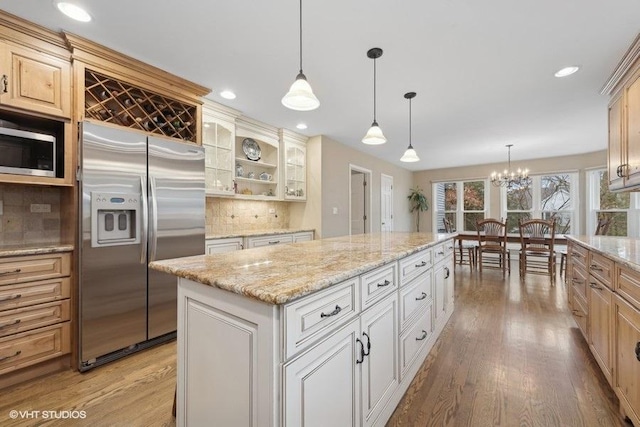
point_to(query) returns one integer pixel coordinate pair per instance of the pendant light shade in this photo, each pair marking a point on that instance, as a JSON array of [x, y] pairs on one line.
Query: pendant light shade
[[374, 135], [300, 96], [410, 155]]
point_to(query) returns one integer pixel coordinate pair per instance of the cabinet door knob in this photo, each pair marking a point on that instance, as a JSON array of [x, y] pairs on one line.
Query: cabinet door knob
[[337, 310], [638, 351]]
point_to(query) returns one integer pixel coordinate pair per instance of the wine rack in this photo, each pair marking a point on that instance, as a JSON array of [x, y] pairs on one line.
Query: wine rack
[[113, 101]]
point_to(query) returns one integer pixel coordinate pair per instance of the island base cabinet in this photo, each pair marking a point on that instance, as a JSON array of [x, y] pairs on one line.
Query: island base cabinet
[[229, 339], [320, 387], [627, 372]]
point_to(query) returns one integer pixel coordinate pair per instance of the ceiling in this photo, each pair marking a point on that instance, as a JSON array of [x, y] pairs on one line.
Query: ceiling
[[482, 70]]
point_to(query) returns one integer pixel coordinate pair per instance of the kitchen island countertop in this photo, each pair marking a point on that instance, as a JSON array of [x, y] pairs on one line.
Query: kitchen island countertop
[[624, 250], [282, 273]]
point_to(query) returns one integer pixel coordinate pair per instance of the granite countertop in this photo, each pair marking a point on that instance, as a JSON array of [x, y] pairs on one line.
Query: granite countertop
[[282, 273], [254, 233], [33, 249], [625, 250]]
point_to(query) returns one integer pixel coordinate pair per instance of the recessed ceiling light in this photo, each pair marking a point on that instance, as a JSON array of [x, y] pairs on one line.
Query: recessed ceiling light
[[74, 12], [227, 94], [566, 71], [301, 126]]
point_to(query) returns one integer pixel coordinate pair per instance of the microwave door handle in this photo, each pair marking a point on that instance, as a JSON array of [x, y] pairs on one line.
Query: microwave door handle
[[154, 218], [145, 221]]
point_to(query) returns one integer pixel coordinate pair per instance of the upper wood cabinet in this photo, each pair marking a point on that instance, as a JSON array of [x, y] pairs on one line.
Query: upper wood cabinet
[[35, 81], [624, 121]]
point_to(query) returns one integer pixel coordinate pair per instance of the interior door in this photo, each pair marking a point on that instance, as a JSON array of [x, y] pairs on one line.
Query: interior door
[[176, 222], [358, 203], [386, 203]]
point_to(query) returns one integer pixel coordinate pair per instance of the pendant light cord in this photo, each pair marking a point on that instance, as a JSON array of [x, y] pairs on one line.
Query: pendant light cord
[[374, 90], [300, 36], [410, 146]]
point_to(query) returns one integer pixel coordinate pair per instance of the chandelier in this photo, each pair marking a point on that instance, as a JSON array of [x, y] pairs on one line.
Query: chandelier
[[509, 178]]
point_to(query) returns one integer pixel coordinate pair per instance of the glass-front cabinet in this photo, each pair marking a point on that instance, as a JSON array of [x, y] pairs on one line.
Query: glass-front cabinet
[[294, 163], [257, 151], [218, 140]]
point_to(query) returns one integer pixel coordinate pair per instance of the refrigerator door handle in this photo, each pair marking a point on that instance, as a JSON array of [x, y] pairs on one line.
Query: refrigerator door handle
[[154, 219], [145, 221]]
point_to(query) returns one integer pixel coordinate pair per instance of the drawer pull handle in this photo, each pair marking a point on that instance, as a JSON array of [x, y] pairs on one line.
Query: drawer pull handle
[[446, 269], [423, 336], [422, 264], [576, 254], [577, 281], [17, 270], [441, 253], [576, 313], [595, 286], [11, 297], [5, 83], [638, 351], [385, 283], [368, 344], [596, 268], [6, 325], [361, 351], [337, 310], [421, 297], [275, 242], [17, 353]]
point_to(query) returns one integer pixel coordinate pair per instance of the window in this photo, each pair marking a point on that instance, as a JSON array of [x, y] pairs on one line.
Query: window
[[461, 202], [545, 196], [620, 208]]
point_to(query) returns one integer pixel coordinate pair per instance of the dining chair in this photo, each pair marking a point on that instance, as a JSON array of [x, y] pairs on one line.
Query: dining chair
[[463, 247], [602, 227], [492, 239], [537, 238]]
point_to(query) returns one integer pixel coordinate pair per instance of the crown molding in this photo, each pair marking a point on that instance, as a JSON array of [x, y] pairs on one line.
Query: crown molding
[[626, 63]]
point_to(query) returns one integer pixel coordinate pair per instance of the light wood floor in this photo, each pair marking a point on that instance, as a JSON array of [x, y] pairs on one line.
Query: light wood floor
[[511, 355]]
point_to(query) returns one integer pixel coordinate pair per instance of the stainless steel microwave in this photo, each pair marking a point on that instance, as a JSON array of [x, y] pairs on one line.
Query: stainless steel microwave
[[27, 153]]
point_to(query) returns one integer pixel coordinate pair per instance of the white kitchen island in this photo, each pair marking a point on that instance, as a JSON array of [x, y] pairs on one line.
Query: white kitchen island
[[323, 333]]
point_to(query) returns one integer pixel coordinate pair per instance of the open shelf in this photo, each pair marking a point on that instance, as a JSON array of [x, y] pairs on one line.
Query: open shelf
[[254, 163], [255, 181]]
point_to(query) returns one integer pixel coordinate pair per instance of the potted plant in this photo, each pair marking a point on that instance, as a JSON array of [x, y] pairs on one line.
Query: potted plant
[[418, 202]]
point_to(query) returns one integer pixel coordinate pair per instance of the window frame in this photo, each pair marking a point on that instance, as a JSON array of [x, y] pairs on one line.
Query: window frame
[[593, 205], [460, 211]]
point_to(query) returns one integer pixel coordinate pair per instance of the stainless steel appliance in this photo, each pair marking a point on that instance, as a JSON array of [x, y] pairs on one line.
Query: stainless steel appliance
[[142, 199], [27, 153]]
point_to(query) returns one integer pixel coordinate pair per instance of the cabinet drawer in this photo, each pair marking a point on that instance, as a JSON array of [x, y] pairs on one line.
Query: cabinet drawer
[[415, 264], [414, 339], [24, 294], [32, 317], [303, 236], [601, 268], [579, 312], [28, 348], [579, 281], [378, 283], [442, 251], [312, 317], [578, 255], [628, 285], [37, 267], [256, 242], [414, 298], [215, 246]]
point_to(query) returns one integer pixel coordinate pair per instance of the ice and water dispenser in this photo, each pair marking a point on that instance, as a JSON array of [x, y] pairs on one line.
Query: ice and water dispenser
[[115, 219]]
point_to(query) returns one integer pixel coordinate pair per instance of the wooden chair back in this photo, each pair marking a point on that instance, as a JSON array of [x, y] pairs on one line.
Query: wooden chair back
[[448, 228], [537, 236], [492, 232]]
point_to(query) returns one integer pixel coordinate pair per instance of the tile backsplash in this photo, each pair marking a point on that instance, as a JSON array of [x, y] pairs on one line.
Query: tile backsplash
[[20, 226], [231, 216]]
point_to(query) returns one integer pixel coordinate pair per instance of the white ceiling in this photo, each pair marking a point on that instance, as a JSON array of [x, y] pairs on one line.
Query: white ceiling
[[483, 70]]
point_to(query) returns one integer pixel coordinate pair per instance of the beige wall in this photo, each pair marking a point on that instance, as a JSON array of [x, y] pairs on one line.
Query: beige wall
[[578, 163], [336, 159], [20, 226]]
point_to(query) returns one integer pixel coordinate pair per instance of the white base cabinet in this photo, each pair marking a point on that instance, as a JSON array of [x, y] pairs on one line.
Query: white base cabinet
[[339, 357]]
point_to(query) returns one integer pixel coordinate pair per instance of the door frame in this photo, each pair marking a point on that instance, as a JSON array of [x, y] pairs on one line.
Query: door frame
[[383, 176], [367, 202]]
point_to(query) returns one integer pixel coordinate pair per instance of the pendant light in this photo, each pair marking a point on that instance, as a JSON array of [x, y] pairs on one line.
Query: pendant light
[[374, 135], [410, 155], [300, 96]]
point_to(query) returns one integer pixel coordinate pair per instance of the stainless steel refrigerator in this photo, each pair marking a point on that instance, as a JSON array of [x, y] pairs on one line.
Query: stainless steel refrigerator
[[141, 199]]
